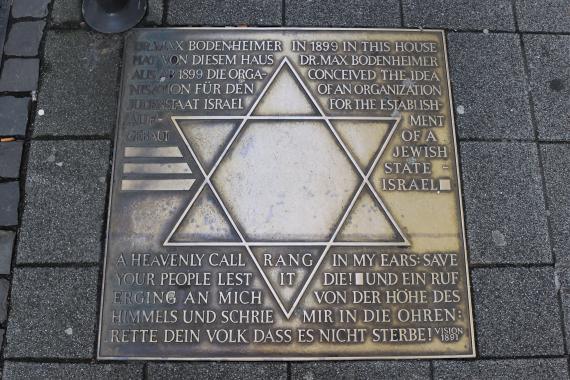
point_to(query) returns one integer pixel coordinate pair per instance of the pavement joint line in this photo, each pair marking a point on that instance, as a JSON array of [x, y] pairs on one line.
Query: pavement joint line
[[66, 28], [548, 223], [165, 7], [475, 139], [402, 22], [145, 371], [55, 265], [544, 187], [27, 19], [529, 141], [8, 56], [515, 16], [57, 360], [283, 13], [16, 94], [521, 357], [562, 320], [17, 137], [536, 138], [553, 142], [510, 265], [71, 138], [550, 241]]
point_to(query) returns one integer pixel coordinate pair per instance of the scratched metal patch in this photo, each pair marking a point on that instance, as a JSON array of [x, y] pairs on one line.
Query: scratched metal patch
[[285, 194]]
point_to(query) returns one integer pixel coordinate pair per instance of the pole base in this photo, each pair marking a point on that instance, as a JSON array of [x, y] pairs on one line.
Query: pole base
[[113, 22]]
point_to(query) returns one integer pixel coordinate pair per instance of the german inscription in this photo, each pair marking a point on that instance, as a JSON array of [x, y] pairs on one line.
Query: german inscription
[[285, 194]]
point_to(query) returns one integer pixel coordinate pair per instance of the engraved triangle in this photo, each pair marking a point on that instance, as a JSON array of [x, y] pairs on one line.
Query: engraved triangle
[[286, 270], [364, 138], [285, 96], [207, 138], [368, 222], [204, 221]]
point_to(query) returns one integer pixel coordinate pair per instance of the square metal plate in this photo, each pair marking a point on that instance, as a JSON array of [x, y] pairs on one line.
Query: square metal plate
[[285, 194]]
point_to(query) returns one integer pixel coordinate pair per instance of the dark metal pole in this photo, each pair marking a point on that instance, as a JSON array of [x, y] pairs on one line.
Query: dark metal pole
[[113, 16]]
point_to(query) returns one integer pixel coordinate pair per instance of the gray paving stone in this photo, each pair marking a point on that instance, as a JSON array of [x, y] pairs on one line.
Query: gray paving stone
[[65, 185], [504, 203], [10, 157], [4, 290], [543, 15], [221, 371], [489, 82], [361, 370], [66, 12], [229, 12], [24, 38], [459, 14], [516, 312], [20, 75], [154, 12], [555, 160], [30, 8], [9, 200], [521, 369], [13, 115], [53, 313], [549, 65], [6, 250], [42, 371], [88, 64], [343, 13]]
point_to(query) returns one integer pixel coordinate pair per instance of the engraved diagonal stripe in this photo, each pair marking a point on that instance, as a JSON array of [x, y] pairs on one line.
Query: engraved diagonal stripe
[[162, 151], [166, 168], [156, 185]]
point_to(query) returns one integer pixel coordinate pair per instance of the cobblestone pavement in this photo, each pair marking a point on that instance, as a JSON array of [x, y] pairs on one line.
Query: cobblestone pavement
[[510, 71]]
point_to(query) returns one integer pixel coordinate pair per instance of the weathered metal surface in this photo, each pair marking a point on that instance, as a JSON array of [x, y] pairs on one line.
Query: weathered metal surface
[[285, 194]]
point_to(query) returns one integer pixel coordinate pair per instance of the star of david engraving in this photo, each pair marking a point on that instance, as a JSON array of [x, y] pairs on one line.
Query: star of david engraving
[[286, 180]]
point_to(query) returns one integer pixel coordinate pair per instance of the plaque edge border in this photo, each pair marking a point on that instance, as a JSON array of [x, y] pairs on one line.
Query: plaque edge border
[[473, 349]]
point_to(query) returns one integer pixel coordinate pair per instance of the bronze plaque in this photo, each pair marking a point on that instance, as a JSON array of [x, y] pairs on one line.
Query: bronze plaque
[[285, 194]]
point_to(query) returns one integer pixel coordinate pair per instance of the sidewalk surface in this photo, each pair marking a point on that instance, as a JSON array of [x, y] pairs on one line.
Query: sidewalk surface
[[510, 72]]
